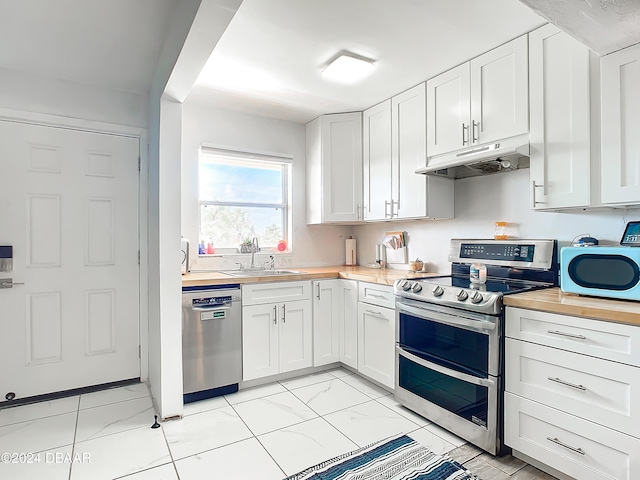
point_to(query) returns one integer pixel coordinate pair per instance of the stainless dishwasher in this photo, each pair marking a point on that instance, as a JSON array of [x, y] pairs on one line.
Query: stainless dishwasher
[[211, 341]]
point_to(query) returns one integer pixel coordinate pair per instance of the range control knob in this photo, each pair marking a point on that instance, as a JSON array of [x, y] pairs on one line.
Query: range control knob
[[400, 283], [476, 297], [462, 295], [438, 291], [416, 287], [406, 286]]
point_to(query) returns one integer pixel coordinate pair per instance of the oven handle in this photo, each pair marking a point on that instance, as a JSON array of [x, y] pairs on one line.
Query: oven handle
[[483, 382], [447, 319]]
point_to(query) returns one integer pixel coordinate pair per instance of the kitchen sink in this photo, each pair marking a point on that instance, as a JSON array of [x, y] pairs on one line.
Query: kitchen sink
[[259, 273]]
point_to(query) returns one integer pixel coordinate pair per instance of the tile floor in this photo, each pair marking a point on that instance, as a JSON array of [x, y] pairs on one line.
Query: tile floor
[[264, 433]]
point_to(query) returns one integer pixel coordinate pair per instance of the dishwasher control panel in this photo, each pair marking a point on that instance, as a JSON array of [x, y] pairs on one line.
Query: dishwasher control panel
[[211, 301]]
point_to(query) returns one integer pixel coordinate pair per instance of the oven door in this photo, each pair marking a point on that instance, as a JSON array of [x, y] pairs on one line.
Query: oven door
[[463, 341]]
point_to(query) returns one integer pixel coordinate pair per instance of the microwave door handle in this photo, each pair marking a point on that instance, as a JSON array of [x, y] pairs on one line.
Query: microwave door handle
[[483, 382], [447, 319]]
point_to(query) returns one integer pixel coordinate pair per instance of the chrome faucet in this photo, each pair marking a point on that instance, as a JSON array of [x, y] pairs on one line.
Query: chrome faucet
[[254, 248]]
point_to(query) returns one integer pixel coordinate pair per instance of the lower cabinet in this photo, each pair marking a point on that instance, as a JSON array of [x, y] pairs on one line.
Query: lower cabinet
[[572, 399], [376, 343], [277, 337], [335, 326]]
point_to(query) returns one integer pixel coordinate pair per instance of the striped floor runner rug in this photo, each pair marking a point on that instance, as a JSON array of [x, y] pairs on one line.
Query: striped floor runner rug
[[400, 458]]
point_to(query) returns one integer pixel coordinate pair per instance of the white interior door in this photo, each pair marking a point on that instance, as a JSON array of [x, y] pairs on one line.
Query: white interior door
[[69, 208]]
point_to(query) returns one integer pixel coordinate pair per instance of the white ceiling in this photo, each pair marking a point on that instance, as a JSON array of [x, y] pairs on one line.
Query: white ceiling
[[107, 43], [268, 61]]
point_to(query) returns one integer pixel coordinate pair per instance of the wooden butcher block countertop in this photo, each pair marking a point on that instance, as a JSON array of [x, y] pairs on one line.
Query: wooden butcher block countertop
[[553, 300], [373, 275]]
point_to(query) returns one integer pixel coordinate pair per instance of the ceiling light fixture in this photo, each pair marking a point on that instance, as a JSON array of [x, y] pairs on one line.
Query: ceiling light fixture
[[348, 69]]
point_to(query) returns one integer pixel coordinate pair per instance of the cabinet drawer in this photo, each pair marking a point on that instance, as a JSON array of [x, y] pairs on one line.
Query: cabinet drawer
[[598, 338], [375, 294], [569, 444], [269, 292], [598, 390]]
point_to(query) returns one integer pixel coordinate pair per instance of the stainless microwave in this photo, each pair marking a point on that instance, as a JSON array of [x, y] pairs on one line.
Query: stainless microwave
[[603, 271]]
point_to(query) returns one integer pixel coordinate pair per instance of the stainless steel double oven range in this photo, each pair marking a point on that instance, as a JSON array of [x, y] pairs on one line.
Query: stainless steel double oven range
[[449, 335]]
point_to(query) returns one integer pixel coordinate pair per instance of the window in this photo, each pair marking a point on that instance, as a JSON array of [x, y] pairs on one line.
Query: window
[[242, 196]]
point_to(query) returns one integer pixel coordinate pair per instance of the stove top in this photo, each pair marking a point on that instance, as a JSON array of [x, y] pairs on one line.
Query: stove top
[[513, 267]]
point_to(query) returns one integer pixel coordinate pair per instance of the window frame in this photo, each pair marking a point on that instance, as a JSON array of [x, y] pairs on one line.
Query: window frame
[[285, 162]]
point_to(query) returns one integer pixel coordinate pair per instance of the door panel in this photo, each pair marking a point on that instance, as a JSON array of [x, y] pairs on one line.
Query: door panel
[[70, 210], [296, 336], [259, 341], [377, 161]]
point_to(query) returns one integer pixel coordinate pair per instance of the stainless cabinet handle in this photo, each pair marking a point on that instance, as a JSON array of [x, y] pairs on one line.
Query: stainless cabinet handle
[[275, 314], [284, 313], [564, 334], [464, 129], [9, 283], [534, 202], [473, 131], [562, 444], [318, 285], [397, 204], [386, 213], [379, 314], [573, 385], [374, 295], [358, 212]]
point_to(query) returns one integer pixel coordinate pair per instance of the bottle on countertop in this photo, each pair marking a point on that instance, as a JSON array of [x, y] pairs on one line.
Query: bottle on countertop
[[478, 272], [201, 248]]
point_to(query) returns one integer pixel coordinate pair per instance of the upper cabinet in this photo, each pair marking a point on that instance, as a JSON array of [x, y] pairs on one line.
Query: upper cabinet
[[621, 127], [478, 102], [394, 135], [561, 121], [334, 169]]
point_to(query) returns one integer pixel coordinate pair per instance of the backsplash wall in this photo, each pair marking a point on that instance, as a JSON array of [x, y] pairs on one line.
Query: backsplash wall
[[479, 203]]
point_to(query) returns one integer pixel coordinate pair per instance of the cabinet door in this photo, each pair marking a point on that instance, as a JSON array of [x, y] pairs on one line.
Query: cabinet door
[[448, 111], [326, 321], [341, 167], [259, 341], [377, 161], [296, 335], [376, 343], [499, 93], [409, 152], [620, 127], [560, 127], [348, 327]]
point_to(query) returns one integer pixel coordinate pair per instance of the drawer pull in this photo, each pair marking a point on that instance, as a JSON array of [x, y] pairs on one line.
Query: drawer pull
[[371, 312], [564, 334], [562, 444], [573, 385], [374, 295]]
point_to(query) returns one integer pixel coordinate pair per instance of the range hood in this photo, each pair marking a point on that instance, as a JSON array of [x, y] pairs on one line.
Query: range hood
[[504, 156]]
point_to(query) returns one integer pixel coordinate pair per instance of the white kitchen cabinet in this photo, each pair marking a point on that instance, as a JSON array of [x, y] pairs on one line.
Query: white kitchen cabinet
[[349, 323], [561, 122], [377, 161], [620, 126], [334, 169], [335, 316], [478, 102], [394, 136], [571, 394], [376, 335], [277, 336]]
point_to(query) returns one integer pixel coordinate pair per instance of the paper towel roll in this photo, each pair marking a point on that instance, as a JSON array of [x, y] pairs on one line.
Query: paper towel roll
[[350, 251]]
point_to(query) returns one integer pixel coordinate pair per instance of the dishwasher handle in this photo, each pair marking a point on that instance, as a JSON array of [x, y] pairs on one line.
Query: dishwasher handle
[[210, 308]]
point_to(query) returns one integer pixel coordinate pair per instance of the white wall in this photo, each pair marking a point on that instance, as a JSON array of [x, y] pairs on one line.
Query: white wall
[[479, 202], [32, 93], [312, 245]]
